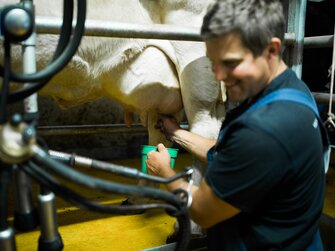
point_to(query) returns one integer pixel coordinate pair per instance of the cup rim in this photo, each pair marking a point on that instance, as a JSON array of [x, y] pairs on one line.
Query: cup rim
[[148, 148]]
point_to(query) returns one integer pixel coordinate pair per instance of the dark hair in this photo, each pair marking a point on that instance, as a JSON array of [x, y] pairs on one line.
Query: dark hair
[[256, 21]]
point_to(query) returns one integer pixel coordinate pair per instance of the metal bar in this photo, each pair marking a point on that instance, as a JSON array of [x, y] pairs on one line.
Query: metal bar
[[47, 25], [296, 25], [90, 129], [319, 42], [136, 129], [25, 217], [323, 98]]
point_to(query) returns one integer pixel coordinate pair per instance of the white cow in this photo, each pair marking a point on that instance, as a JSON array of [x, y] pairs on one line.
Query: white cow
[[146, 76]]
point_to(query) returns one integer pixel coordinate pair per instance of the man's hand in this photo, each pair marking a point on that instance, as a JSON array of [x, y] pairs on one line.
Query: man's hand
[[168, 125], [158, 162]]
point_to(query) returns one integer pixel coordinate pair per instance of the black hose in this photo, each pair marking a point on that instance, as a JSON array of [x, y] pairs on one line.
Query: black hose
[[4, 183], [59, 63], [43, 177], [66, 29], [41, 157], [76, 160], [63, 40], [183, 236], [5, 83]]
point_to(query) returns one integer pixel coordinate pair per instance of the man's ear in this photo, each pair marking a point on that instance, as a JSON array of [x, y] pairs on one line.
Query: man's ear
[[274, 47]]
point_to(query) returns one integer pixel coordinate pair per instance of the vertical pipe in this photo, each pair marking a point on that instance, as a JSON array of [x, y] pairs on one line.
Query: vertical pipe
[[7, 239], [46, 203], [296, 25], [25, 214], [29, 66], [50, 239]]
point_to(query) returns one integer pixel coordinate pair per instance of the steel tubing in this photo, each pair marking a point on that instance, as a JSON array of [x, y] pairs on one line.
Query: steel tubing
[[90, 129], [319, 41], [323, 98], [136, 129], [47, 25]]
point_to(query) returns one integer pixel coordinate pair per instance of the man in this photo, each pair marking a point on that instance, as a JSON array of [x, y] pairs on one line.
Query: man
[[264, 186]]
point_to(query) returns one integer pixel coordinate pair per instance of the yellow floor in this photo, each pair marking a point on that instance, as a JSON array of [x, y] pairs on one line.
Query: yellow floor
[[87, 230], [329, 204]]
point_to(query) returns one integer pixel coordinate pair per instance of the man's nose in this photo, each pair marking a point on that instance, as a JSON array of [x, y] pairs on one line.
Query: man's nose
[[220, 74]]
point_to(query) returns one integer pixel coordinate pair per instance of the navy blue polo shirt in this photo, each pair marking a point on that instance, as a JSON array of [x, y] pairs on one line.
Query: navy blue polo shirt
[[269, 165]]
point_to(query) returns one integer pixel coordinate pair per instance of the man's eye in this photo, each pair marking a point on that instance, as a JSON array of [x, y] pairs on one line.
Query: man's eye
[[231, 64]]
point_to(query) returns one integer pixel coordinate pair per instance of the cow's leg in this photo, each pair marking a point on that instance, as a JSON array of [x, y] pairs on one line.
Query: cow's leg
[[203, 101], [154, 137]]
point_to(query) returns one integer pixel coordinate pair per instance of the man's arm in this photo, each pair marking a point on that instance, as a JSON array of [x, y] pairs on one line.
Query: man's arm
[[193, 143], [207, 209]]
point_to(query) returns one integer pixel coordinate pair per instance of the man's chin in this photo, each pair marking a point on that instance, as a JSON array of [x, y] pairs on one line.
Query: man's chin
[[234, 97]]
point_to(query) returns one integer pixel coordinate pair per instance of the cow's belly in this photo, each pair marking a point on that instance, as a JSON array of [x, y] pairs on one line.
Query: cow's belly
[[149, 83]]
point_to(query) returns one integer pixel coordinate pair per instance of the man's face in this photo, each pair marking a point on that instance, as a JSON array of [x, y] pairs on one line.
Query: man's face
[[243, 74]]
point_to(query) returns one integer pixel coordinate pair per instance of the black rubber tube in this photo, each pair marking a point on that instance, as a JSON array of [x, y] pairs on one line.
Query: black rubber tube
[[54, 185], [41, 157], [4, 183], [183, 238], [64, 39], [47, 180], [70, 160], [5, 83], [63, 58]]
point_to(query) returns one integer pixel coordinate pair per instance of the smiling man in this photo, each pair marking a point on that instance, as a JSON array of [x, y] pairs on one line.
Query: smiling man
[[264, 186]]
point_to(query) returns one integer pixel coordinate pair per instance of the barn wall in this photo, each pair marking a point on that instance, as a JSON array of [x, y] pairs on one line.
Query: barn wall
[[103, 146]]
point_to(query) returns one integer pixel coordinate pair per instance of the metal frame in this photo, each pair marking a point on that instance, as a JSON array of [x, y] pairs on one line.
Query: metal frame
[[294, 40]]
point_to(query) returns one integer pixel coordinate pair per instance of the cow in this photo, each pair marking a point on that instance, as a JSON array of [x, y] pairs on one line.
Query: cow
[[147, 76]]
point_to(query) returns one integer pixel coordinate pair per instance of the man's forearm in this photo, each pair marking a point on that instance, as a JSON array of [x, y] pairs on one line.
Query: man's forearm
[[193, 143]]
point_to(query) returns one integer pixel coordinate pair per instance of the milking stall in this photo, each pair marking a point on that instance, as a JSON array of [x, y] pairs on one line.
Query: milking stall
[[82, 85]]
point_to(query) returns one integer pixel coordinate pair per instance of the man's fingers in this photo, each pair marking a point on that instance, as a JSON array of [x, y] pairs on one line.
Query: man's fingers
[[161, 147], [158, 124]]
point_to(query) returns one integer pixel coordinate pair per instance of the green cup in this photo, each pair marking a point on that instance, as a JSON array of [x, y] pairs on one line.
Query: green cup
[[145, 149]]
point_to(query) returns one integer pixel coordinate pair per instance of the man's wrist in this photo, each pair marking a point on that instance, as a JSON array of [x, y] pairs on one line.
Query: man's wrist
[[168, 172]]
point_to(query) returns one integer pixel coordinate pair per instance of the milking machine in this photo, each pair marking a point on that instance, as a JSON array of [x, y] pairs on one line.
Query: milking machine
[[23, 156]]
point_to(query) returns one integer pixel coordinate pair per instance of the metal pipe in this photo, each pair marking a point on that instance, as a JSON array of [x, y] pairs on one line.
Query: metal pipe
[[25, 217], [90, 129], [136, 129], [47, 25], [48, 216], [319, 42], [7, 240], [29, 66], [50, 239], [156, 31], [130, 172], [296, 25], [323, 98]]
